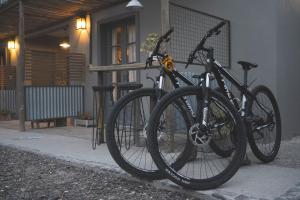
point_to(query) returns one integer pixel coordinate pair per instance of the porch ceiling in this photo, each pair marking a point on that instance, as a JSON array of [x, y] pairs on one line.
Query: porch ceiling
[[41, 14]]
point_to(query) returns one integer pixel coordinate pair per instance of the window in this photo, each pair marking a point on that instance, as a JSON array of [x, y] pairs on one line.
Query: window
[[131, 44], [118, 46]]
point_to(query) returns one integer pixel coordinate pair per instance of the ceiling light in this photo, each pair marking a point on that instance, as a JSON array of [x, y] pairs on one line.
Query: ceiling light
[[134, 5], [65, 45]]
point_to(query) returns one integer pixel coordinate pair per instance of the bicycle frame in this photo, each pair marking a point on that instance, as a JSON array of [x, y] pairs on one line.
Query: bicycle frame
[[174, 75], [219, 72]]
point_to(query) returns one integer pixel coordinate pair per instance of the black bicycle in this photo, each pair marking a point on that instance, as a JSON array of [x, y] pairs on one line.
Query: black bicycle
[[220, 122], [128, 120]]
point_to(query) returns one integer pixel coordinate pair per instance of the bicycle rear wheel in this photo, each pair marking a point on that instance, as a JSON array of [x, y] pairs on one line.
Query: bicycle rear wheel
[[219, 143], [264, 127], [203, 169]]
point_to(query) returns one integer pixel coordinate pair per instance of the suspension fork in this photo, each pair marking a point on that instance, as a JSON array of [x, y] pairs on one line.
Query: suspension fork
[[205, 92], [159, 84], [204, 108]]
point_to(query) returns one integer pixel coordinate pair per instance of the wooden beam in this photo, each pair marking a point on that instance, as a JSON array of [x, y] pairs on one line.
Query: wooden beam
[[9, 5], [49, 28], [125, 67], [20, 70]]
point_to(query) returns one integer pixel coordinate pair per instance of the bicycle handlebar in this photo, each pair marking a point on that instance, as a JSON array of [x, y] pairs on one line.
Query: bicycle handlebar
[[217, 27], [161, 39], [200, 46]]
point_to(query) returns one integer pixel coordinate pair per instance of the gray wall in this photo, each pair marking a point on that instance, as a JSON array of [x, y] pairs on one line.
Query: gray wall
[[80, 43], [149, 21], [267, 33], [253, 24], [262, 31], [288, 65]]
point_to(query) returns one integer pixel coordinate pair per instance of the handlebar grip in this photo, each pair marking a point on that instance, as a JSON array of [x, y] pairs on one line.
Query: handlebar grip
[[162, 38], [217, 27]]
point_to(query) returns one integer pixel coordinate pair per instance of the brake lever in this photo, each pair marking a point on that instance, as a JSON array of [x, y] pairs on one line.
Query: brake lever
[[149, 62]]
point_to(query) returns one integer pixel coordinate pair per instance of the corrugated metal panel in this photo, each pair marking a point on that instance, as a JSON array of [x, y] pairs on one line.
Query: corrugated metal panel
[[49, 102], [8, 101]]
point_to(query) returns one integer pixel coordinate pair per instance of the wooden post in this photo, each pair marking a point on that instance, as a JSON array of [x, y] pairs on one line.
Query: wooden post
[[165, 26], [101, 109], [165, 21], [20, 69]]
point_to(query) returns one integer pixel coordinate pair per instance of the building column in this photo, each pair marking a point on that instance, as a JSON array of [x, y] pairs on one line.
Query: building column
[[20, 70], [165, 21]]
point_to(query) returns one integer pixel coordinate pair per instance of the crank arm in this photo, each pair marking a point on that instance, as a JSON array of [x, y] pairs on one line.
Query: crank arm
[[263, 126]]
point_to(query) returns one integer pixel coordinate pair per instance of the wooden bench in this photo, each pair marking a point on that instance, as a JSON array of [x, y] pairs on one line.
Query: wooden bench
[[38, 122]]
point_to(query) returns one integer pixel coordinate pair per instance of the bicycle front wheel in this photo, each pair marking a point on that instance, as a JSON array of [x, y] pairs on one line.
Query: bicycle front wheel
[[264, 127], [168, 136], [126, 133]]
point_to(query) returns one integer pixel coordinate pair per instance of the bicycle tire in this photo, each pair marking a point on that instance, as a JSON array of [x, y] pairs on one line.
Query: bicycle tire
[[220, 147], [126, 163], [256, 147], [175, 175]]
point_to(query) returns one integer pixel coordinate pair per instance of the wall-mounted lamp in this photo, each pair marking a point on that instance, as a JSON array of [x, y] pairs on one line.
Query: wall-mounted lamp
[[80, 23], [11, 44], [134, 5], [65, 45]]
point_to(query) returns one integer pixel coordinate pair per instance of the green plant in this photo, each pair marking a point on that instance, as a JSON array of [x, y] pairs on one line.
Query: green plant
[[149, 44]]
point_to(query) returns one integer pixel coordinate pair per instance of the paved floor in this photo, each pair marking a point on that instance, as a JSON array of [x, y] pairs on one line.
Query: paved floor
[[280, 179]]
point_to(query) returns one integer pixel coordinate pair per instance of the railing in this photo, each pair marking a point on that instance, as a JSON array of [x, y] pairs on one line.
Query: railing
[[51, 102], [8, 100]]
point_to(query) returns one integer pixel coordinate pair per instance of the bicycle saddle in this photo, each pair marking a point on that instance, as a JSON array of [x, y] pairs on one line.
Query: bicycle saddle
[[247, 65]]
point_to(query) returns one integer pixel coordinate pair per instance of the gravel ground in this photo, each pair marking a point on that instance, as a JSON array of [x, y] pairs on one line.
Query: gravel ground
[[25, 175]]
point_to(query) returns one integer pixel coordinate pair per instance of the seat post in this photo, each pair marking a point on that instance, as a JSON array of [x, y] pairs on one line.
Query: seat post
[[245, 77]]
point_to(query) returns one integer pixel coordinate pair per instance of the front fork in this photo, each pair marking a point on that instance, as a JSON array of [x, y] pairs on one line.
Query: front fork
[[205, 105]]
